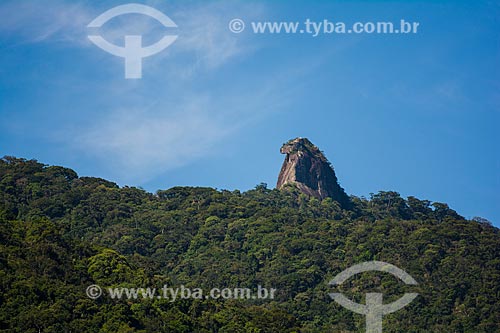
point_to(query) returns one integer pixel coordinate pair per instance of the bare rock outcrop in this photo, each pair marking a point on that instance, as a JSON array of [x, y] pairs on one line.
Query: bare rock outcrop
[[307, 168]]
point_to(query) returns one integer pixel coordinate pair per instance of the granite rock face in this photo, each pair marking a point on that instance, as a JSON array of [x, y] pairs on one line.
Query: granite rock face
[[307, 168]]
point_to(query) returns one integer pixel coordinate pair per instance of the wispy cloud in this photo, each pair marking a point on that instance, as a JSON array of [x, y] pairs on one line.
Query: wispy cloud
[[168, 119], [139, 144], [202, 26], [204, 44], [38, 21], [205, 32]]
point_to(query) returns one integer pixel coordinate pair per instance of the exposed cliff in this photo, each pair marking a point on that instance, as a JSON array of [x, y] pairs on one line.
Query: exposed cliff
[[306, 167]]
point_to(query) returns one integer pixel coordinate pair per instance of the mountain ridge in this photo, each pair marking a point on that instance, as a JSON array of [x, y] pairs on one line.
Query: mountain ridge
[[60, 233]]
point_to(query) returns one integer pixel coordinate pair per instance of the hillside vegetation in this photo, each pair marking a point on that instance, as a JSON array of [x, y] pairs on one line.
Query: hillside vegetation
[[60, 233]]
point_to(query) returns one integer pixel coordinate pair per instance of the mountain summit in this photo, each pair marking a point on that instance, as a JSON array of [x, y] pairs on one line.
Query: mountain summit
[[306, 167]]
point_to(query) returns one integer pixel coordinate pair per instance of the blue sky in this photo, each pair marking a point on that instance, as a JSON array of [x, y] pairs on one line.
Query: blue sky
[[418, 114]]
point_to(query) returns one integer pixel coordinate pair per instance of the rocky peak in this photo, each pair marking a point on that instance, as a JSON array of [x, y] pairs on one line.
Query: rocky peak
[[306, 167]]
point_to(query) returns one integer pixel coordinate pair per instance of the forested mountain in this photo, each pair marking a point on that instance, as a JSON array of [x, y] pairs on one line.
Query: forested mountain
[[60, 233]]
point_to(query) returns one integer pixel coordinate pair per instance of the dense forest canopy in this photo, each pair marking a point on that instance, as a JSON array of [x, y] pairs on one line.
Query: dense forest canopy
[[60, 233]]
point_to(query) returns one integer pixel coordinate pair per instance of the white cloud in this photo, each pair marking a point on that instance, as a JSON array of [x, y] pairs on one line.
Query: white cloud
[[202, 27], [205, 42], [181, 124], [139, 144], [205, 32], [162, 122]]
